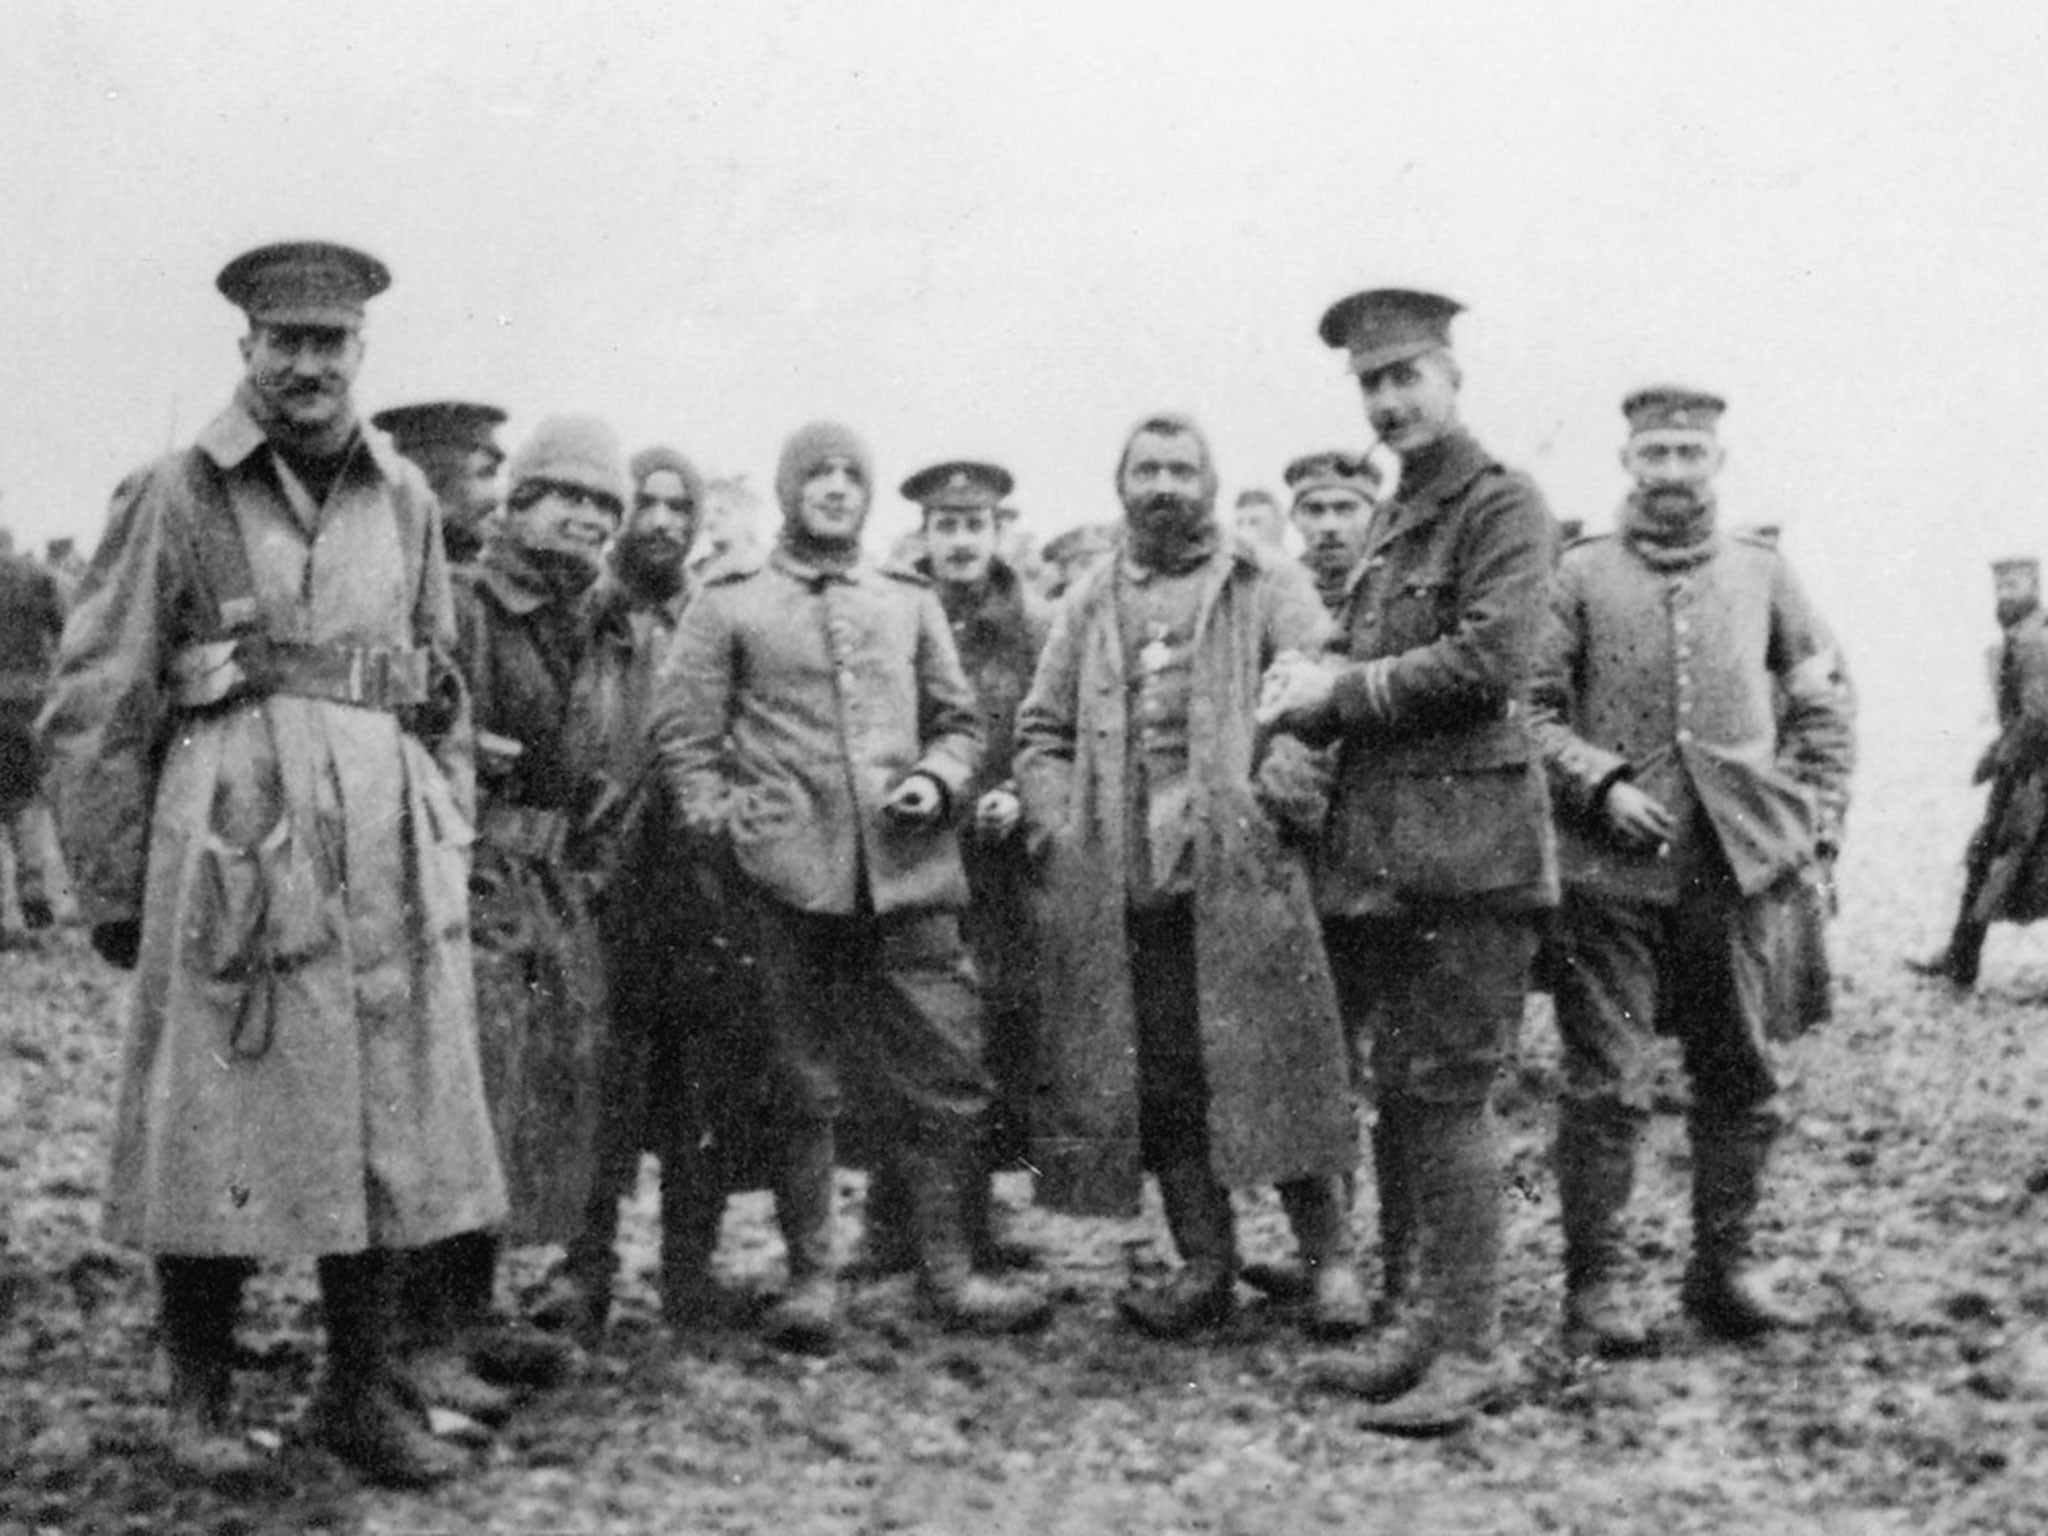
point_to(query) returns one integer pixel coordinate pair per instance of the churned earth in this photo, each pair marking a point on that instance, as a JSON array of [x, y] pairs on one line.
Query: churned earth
[[1907, 1212]]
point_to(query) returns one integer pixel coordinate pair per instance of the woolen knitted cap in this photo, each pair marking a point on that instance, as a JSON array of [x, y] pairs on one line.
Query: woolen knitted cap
[[649, 461], [810, 446], [575, 450]]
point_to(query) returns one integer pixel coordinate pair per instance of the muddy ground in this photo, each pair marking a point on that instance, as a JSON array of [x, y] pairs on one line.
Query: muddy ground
[[1907, 1210]]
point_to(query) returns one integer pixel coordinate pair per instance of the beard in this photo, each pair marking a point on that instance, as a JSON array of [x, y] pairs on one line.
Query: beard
[[651, 564], [1168, 517]]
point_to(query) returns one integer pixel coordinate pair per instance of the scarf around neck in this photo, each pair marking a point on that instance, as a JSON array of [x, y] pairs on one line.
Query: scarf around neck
[[828, 557], [1669, 543]]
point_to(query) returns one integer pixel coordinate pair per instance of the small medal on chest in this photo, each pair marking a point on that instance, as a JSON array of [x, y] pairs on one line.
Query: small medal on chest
[[1156, 653]]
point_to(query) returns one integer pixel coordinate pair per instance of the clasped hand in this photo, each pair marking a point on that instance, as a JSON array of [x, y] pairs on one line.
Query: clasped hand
[[1296, 689]]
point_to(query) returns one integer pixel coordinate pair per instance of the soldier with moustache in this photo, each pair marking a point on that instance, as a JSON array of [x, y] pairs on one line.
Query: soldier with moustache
[[261, 767], [455, 444], [1698, 738], [1438, 857], [1334, 496], [1189, 1028], [999, 627]]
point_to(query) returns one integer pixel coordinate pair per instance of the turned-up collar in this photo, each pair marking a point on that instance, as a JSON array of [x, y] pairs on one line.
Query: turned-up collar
[[233, 435]]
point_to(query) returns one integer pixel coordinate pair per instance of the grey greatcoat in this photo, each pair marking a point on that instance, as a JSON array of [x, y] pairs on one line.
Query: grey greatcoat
[[299, 1074], [1273, 1051]]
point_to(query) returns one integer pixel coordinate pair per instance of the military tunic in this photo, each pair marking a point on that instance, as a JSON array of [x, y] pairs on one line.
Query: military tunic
[[1715, 689]]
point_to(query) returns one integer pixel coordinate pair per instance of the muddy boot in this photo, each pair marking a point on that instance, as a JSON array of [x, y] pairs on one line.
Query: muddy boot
[[578, 1300], [198, 1301], [361, 1412], [432, 1311], [1392, 1133], [1720, 1294], [1458, 1200], [806, 1320], [947, 1284], [888, 1242], [1201, 1293], [1596, 1159]]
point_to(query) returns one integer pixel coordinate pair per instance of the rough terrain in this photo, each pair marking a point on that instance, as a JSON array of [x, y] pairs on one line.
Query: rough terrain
[[1908, 1210]]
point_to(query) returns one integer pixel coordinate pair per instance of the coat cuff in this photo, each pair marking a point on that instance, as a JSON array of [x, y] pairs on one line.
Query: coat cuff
[[1364, 693]]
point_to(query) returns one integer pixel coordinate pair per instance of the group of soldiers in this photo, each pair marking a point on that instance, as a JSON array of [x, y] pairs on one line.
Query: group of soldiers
[[464, 853]]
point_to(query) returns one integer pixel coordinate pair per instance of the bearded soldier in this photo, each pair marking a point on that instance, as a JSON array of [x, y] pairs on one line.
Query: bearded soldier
[[262, 776], [1189, 1028]]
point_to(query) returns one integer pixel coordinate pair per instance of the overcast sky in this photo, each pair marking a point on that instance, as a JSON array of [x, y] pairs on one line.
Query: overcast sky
[[1009, 230]]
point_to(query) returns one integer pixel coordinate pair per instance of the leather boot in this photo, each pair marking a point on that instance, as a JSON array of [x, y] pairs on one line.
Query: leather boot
[[806, 1319], [1201, 1293], [433, 1310], [1720, 1294], [1596, 1153], [888, 1243], [361, 1412], [198, 1299], [1392, 1133], [950, 1289], [503, 1351], [1456, 1188]]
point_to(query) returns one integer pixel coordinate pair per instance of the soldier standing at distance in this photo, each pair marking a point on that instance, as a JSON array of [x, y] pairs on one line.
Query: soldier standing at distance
[[31, 620], [1334, 496], [2006, 867], [455, 444], [1439, 854], [1189, 1028], [262, 778], [1699, 743], [814, 721]]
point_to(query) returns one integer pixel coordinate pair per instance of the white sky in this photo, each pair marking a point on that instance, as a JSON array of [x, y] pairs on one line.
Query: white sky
[[1008, 230]]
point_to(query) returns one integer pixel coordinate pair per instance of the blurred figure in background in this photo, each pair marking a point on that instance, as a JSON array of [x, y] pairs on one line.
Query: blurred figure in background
[[2006, 865], [729, 529], [455, 444], [31, 622], [1065, 556], [1257, 518]]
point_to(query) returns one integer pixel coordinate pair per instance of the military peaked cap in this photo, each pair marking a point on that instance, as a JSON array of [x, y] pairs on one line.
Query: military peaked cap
[[960, 485], [1674, 407], [303, 282], [1382, 326], [1333, 469], [442, 423]]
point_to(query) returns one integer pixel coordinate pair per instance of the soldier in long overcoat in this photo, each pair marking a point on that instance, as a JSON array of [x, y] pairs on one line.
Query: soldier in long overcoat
[[263, 785], [1188, 1028], [2006, 865]]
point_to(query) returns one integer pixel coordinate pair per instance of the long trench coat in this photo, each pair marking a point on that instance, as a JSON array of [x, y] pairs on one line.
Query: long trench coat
[[299, 1073], [1272, 1046]]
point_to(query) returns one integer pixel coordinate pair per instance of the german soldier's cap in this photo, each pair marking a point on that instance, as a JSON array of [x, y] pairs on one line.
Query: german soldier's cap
[[442, 424], [1335, 469], [303, 282], [1672, 407], [1383, 326], [960, 485]]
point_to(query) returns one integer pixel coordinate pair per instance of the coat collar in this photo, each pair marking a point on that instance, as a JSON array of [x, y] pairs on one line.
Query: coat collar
[[1458, 461], [505, 578], [814, 575], [1234, 557], [232, 436]]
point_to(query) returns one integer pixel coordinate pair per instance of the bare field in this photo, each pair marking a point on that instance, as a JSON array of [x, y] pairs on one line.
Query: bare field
[[1907, 1206]]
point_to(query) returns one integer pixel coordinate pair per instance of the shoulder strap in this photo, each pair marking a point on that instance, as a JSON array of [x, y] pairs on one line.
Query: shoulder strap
[[216, 539]]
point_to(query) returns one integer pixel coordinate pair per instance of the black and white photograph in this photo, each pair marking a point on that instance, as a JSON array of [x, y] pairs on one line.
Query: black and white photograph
[[861, 766]]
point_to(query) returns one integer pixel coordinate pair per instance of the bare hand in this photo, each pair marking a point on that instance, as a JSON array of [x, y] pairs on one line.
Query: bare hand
[[996, 815], [1295, 688], [916, 799], [1638, 818]]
